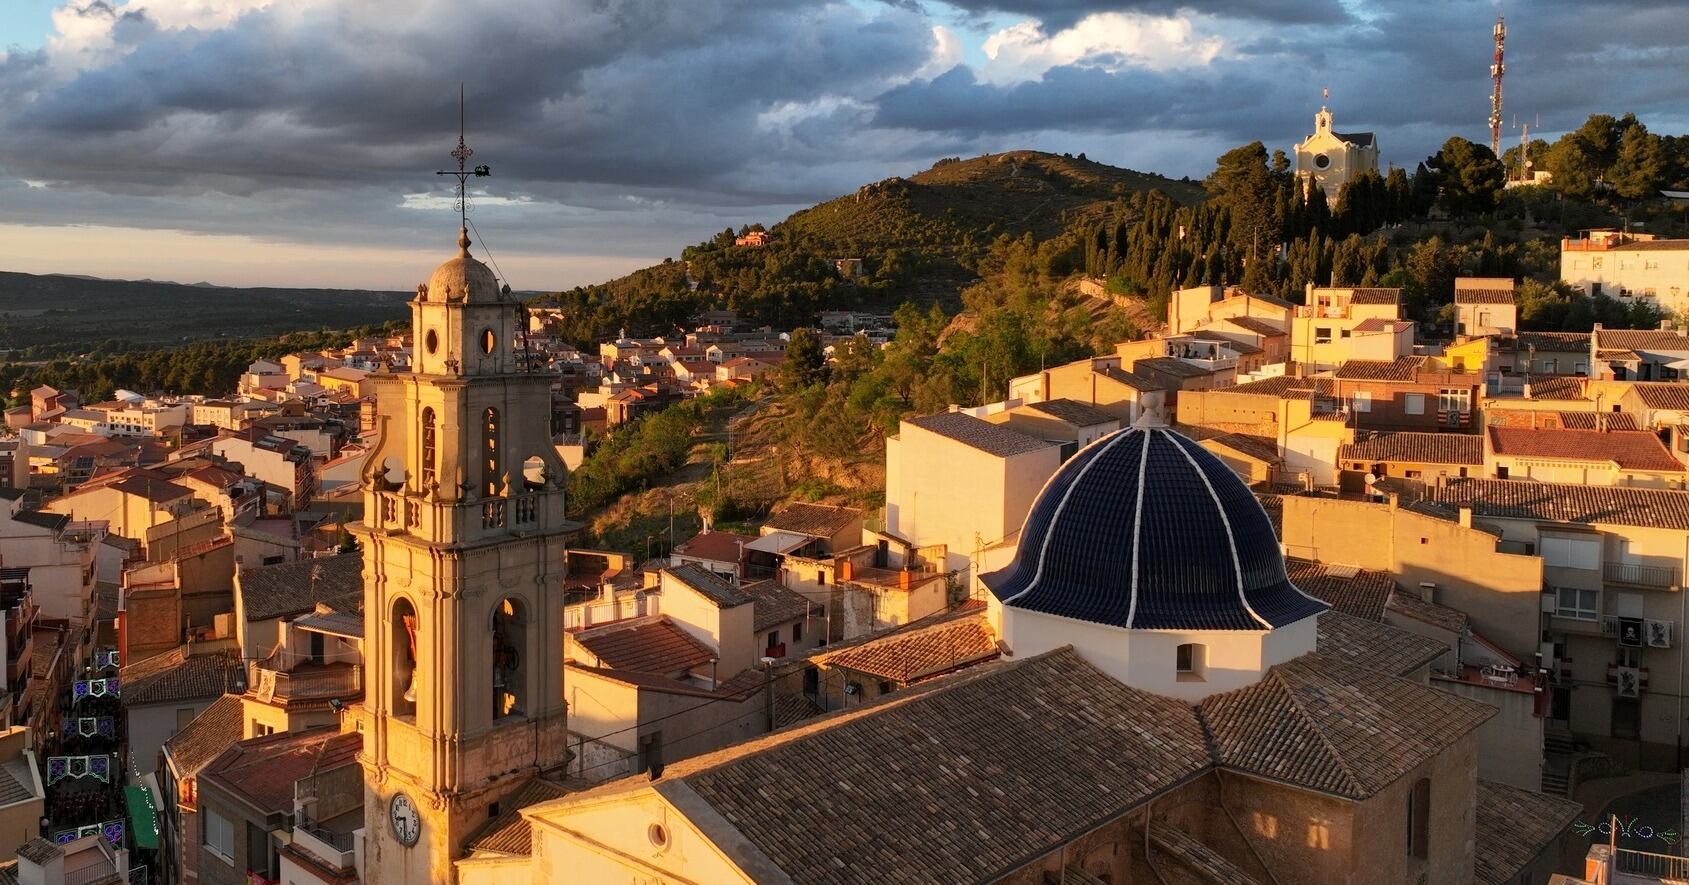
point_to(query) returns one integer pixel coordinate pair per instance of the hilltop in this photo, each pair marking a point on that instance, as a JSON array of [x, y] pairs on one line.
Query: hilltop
[[921, 239], [961, 205], [53, 315]]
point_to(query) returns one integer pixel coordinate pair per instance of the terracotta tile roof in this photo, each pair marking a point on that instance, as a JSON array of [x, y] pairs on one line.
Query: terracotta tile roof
[[1512, 827], [1440, 616], [1618, 355], [814, 520], [509, 832], [1629, 449], [290, 589], [738, 688], [1558, 387], [1373, 325], [647, 645], [152, 490], [1554, 342], [1186, 850], [177, 676], [1424, 448], [214, 730], [794, 708], [262, 771], [1320, 723], [775, 604], [1170, 366], [1375, 296], [1640, 339], [1140, 383], [1375, 646], [714, 546], [1483, 296], [992, 439], [1608, 420], [1017, 756], [1282, 387], [1663, 395], [1361, 593], [1399, 369], [1073, 412], [1258, 447], [715, 590], [1256, 325], [908, 656]]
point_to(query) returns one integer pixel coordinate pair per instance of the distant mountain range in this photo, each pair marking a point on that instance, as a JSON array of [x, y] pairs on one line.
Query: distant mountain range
[[68, 314]]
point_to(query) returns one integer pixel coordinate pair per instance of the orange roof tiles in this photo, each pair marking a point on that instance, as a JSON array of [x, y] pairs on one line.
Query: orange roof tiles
[[1629, 449]]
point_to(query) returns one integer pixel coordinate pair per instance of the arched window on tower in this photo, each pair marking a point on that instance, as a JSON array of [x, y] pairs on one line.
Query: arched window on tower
[[402, 633], [490, 453], [510, 658], [430, 448]]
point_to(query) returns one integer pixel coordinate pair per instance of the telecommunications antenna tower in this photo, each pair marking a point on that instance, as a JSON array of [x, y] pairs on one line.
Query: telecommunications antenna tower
[[1497, 69]]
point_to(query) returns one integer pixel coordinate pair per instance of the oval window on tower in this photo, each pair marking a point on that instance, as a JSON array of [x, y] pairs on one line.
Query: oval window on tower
[[488, 341], [432, 341]]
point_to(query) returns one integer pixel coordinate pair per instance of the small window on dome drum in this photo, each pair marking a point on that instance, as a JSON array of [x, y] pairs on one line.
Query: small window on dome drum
[[1191, 662], [488, 341]]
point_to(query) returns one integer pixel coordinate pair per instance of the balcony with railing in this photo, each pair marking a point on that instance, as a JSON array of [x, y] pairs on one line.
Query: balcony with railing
[[328, 847], [305, 681], [1635, 575], [1648, 866]]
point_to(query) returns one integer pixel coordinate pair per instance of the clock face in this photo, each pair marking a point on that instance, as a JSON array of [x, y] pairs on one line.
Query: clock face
[[401, 813]]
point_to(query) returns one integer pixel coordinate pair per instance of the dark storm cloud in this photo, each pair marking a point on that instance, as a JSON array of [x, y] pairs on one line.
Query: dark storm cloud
[[646, 94], [1057, 14], [635, 126]]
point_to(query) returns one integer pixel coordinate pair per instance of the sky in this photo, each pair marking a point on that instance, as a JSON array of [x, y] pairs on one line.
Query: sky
[[294, 142]]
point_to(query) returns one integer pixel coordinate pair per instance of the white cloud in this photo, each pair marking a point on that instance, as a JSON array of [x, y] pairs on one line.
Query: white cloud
[[1107, 40], [946, 53]]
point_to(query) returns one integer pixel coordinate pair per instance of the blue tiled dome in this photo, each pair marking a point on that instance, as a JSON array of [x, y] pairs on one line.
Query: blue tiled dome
[[1146, 529]]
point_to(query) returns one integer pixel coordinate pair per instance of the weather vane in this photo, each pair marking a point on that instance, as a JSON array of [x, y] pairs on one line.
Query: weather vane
[[463, 173]]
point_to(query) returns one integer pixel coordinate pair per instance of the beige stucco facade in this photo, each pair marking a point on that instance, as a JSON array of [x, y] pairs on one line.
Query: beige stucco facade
[[941, 491], [1464, 566]]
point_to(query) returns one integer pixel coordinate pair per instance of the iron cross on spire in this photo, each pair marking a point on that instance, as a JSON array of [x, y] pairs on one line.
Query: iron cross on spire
[[463, 172]]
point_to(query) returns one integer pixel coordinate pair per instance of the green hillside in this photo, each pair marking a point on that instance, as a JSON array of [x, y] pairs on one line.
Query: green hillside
[[44, 316], [961, 205], [921, 239]]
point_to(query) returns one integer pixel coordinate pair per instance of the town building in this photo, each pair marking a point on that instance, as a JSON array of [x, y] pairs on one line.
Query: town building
[[1613, 559], [1337, 325], [1484, 306], [962, 483], [1638, 354], [1096, 381], [285, 798], [1581, 456], [1329, 159], [1628, 266]]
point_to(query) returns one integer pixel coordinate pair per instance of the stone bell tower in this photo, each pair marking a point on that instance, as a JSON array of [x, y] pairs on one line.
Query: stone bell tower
[[463, 539]]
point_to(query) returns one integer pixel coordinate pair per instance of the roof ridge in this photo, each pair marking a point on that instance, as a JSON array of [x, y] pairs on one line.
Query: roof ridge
[[1353, 778]]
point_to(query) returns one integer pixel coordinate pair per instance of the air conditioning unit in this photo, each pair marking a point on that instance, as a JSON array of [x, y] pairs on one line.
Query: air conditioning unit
[[1658, 634]]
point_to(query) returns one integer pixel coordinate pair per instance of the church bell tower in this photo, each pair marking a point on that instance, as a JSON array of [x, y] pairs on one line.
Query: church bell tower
[[463, 539]]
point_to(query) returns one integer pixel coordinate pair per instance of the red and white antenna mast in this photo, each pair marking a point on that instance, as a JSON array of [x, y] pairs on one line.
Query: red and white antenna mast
[[1496, 71]]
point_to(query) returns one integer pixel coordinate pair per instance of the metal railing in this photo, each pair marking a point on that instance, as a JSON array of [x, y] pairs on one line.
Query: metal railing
[[1647, 863], [1639, 575], [341, 842]]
